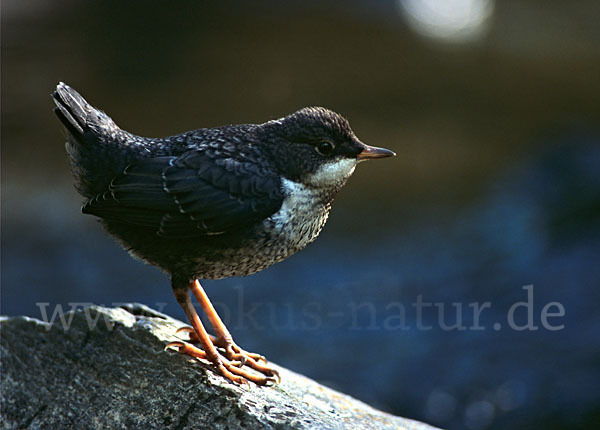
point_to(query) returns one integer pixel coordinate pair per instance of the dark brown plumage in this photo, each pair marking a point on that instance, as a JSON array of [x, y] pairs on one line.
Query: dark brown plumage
[[212, 203]]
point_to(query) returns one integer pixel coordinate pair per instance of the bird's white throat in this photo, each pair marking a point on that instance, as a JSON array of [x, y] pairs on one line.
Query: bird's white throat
[[301, 216], [332, 174]]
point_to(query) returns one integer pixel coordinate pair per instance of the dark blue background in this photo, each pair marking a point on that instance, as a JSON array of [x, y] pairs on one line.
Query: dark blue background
[[496, 186]]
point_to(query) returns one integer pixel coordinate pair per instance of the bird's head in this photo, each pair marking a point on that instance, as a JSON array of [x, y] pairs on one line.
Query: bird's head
[[317, 147]]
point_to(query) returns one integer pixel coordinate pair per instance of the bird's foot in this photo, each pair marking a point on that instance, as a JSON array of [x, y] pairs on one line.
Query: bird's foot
[[232, 350], [255, 361], [232, 358]]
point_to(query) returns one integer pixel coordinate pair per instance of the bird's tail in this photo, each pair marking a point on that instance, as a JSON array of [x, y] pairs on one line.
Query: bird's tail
[[97, 147]]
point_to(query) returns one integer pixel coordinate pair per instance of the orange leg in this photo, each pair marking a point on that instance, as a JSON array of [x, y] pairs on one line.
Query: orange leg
[[224, 339], [229, 366]]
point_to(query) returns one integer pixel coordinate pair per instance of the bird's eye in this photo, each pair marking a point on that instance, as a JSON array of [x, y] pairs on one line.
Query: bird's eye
[[324, 148]]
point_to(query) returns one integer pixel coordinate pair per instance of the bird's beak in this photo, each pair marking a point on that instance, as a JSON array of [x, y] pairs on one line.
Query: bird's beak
[[373, 152]]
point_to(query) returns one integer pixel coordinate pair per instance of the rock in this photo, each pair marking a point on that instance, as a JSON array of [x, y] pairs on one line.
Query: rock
[[108, 369]]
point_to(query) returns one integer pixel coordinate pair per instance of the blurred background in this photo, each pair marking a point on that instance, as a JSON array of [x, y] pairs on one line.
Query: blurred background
[[494, 111]]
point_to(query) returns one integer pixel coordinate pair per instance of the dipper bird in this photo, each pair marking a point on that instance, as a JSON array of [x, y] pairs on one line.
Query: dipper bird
[[212, 203]]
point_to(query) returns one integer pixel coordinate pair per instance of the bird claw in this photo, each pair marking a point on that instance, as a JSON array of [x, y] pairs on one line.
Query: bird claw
[[271, 381], [234, 352], [185, 329], [247, 375], [254, 356], [237, 366], [276, 377], [231, 350], [174, 346], [187, 349]]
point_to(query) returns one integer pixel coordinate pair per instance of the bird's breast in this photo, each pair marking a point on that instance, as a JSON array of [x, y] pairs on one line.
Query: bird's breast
[[297, 223], [301, 217]]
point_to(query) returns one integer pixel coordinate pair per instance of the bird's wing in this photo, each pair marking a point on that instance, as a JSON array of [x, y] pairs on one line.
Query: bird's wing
[[190, 195]]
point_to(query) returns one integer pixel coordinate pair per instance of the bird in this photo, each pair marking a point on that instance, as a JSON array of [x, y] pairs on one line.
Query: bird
[[212, 203]]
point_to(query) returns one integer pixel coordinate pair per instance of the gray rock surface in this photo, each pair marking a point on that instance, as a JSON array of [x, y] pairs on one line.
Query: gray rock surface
[[109, 370]]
